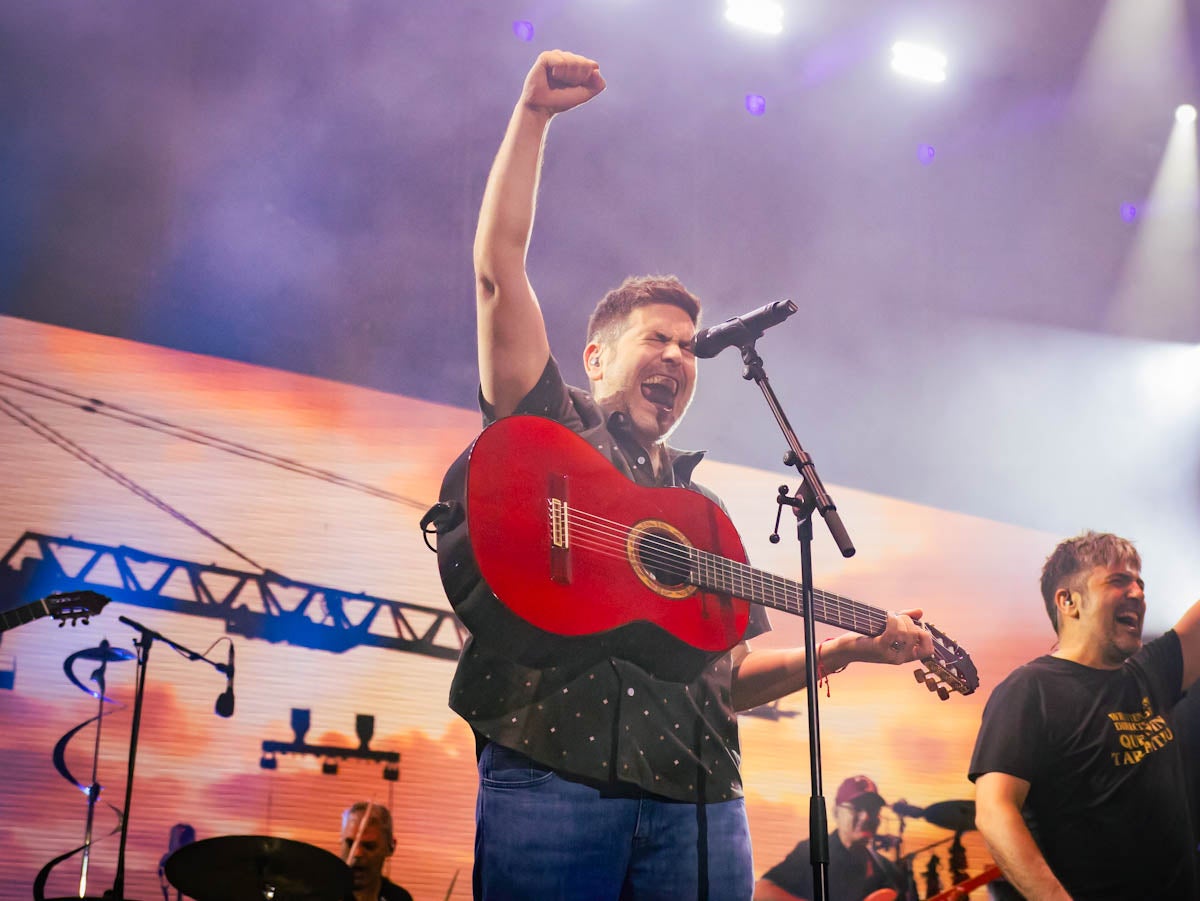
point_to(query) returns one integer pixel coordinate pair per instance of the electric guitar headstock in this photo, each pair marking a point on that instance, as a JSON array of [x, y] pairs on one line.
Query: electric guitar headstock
[[949, 668]]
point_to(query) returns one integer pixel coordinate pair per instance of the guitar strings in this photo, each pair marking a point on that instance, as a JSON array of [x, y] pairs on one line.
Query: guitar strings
[[738, 578], [662, 553], [608, 538], [676, 558]]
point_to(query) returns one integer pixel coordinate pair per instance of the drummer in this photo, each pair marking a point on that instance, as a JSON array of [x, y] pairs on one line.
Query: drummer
[[367, 843]]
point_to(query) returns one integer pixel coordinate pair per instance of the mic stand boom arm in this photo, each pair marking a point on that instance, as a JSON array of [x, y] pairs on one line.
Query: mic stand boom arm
[[143, 647], [814, 492], [809, 497]]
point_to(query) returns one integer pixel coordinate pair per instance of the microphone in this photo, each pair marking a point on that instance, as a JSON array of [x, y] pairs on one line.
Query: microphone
[[904, 809], [740, 330], [181, 834], [224, 705]]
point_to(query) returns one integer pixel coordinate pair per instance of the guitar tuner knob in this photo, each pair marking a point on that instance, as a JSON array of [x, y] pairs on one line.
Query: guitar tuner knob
[[919, 674], [943, 692]]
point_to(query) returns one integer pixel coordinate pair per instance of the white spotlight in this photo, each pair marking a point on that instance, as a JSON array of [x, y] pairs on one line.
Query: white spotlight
[[918, 62], [1185, 114], [758, 15]]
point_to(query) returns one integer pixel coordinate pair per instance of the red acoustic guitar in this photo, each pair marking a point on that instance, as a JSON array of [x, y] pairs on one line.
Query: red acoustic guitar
[[534, 516]]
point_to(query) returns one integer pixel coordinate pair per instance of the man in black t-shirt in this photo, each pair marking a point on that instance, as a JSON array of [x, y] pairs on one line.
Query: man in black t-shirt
[[1079, 774]]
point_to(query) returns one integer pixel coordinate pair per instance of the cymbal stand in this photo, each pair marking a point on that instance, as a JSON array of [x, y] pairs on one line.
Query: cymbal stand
[[93, 790]]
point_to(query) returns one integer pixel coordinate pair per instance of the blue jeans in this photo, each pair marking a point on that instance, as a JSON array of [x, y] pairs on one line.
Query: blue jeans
[[542, 837]]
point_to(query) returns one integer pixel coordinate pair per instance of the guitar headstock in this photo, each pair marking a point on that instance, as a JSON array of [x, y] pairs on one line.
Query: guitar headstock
[[949, 668], [73, 606]]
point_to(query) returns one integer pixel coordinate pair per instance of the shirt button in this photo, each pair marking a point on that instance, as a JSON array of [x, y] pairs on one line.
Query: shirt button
[[641, 460], [629, 691]]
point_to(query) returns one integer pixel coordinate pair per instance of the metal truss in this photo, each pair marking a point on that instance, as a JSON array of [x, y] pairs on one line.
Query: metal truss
[[266, 605]]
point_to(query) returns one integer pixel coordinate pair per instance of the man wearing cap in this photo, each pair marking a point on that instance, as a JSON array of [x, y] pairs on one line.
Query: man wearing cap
[[855, 869]]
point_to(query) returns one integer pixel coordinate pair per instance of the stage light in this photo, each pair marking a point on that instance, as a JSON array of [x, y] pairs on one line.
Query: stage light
[[918, 62], [1154, 295], [268, 762], [756, 104], [1185, 114], [1128, 212], [364, 727], [523, 30], [925, 154], [301, 720], [329, 767], [765, 16]]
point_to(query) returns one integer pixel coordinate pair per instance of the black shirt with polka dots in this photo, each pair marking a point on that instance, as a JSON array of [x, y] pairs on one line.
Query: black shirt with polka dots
[[592, 714]]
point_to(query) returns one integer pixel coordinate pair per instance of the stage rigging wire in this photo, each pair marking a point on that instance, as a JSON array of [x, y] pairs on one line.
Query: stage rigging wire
[[31, 422], [154, 423], [131, 417]]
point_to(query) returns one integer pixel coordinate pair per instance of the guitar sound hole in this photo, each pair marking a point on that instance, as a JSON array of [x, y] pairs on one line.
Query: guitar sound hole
[[663, 558]]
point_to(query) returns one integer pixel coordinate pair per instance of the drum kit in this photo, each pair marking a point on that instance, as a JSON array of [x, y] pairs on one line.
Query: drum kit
[[955, 816], [258, 868], [225, 868], [254, 868]]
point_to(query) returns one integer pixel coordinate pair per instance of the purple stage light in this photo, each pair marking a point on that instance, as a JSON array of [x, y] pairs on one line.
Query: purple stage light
[[1128, 212], [925, 153], [523, 30], [756, 104]]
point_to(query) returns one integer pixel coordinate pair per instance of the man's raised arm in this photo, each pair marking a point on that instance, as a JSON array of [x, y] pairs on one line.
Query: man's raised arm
[[1188, 630], [513, 348]]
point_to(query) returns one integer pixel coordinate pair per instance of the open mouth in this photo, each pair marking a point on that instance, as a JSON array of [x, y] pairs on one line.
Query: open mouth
[[660, 390], [1130, 621]]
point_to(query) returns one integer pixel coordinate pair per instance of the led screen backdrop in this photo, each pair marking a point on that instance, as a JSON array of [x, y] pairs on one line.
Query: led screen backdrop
[[215, 500]]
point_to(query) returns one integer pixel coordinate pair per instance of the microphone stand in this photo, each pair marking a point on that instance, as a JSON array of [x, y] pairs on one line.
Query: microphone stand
[[810, 496], [148, 636]]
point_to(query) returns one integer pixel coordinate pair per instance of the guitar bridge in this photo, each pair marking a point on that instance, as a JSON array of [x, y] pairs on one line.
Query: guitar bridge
[[560, 529]]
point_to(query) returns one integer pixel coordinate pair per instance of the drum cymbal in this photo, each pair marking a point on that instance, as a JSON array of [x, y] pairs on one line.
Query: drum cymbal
[[249, 867], [957, 816], [103, 652]]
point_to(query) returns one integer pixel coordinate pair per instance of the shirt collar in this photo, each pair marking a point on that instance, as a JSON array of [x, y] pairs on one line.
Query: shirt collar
[[683, 462]]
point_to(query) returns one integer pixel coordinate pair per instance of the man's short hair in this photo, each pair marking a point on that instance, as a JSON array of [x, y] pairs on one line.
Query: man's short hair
[[1076, 557], [607, 321], [379, 814]]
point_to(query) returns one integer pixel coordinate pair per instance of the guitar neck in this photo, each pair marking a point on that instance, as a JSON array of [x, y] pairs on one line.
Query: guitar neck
[[10, 619], [960, 891], [725, 576]]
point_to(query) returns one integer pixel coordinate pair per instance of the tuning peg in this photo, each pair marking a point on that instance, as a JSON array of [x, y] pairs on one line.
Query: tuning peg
[[934, 684], [919, 674]]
